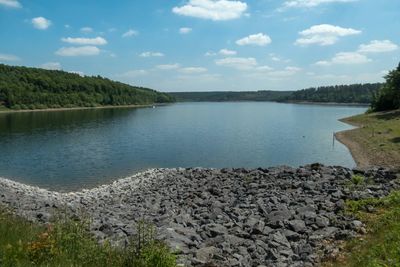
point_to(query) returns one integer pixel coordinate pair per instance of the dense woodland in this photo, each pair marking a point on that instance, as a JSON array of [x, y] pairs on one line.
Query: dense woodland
[[356, 93], [230, 96], [388, 97], [32, 88]]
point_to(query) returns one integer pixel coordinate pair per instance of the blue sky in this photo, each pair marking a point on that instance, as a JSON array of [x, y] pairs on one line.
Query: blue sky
[[206, 45]]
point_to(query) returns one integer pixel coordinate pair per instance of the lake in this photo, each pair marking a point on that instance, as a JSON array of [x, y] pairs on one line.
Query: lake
[[69, 150]]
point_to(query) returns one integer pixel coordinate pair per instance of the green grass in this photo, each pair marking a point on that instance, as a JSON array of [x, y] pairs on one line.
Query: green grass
[[68, 243], [379, 135], [381, 246]]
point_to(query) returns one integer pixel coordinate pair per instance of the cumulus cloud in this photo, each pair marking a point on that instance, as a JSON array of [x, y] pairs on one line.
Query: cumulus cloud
[[238, 63], [41, 23], [51, 66], [210, 54], [227, 52], [168, 66], [10, 3], [185, 30], [377, 46], [86, 30], [345, 58], [85, 41], [193, 70], [212, 9], [259, 39], [151, 54], [310, 3], [324, 34], [8, 57], [78, 51], [130, 33], [133, 73]]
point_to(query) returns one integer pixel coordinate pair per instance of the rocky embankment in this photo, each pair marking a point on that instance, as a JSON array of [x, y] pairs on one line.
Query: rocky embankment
[[230, 217]]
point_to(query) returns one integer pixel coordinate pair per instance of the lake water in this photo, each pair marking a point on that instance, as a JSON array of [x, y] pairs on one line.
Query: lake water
[[68, 150]]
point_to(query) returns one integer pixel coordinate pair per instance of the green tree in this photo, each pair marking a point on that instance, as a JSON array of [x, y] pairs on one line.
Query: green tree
[[388, 98]]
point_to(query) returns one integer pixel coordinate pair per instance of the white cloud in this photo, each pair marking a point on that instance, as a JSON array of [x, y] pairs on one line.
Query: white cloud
[[86, 30], [133, 73], [376, 46], [311, 3], [212, 9], [8, 57], [130, 33], [168, 66], [51, 66], [324, 34], [345, 58], [264, 68], [185, 30], [238, 63], [41, 23], [78, 51], [85, 41], [288, 71], [193, 70], [11, 3], [227, 52], [151, 54], [259, 39], [210, 54]]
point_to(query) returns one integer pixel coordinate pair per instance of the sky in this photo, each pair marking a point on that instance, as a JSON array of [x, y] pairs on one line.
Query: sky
[[206, 45]]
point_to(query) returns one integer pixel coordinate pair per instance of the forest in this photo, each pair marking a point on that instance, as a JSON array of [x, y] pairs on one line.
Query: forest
[[356, 93], [33, 88], [230, 96]]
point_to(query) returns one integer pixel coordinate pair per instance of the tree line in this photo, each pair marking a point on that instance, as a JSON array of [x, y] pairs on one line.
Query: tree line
[[388, 97], [33, 88], [355, 93]]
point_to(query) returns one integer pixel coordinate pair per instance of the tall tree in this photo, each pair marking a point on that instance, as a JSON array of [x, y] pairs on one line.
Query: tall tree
[[388, 98]]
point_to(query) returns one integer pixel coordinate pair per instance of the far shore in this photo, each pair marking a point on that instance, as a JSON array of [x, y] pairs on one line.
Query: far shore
[[76, 108], [327, 103]]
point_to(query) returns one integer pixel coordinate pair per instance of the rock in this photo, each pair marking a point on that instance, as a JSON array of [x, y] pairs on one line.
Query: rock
[[278, 216], [298, 226], [205, 255]]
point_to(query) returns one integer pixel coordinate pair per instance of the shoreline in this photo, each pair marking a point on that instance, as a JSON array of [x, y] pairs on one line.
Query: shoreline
[[374, 142], [79, 108], [326, 103], [357, 151], [272, 216]]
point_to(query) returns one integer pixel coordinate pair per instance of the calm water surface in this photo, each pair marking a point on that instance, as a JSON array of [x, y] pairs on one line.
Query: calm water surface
[[68, 150]]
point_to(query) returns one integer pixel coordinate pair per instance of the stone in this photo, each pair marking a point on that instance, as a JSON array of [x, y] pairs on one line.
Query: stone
[[298, 226]]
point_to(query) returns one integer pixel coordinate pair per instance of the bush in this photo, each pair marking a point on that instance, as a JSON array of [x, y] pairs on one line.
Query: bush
[[358, 179], [69, 243]]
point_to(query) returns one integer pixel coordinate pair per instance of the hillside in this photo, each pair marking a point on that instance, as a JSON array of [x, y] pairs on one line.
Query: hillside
[[356, 93], [33, 88], [229, 96]]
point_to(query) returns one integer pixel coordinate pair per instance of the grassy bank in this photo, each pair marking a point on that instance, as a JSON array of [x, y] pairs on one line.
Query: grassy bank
[[381, 245], [69, 243], [376, 141]]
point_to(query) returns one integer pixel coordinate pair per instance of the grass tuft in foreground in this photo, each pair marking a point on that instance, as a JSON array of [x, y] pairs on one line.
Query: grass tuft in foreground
[[69, 243], [381, 246]]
